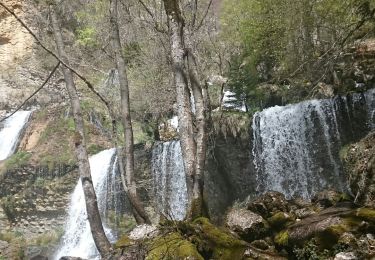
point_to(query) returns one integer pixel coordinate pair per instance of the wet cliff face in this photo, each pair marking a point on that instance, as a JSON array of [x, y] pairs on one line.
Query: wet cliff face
[[293, 149], [230, 173]]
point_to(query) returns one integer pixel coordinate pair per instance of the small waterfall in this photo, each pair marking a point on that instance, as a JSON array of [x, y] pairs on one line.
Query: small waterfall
[[296, 147], [11, 131], [77, 240], [169, 180]]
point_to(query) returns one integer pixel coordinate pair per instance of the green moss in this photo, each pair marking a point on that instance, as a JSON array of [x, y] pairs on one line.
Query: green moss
[[172, 246], [282, 238], [366, 213], [329, 237], [220, 242], [343, 153], [124, 241], [279, 220]]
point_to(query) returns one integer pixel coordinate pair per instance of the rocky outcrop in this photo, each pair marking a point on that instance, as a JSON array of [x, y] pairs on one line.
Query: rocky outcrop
[[360, 167], [23, 64], [268, 204], [247, 224]]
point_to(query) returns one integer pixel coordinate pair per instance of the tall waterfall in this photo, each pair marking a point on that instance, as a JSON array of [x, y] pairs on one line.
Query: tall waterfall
[[11, 131], [169, 180], [296, 147], [77, 240]]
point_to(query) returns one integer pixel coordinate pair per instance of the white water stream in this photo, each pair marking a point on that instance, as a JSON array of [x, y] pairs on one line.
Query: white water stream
[[77, 240], [10, 133], [169, 180]]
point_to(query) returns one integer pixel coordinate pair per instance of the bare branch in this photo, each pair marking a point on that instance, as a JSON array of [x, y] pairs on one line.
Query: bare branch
[[34, 93], [204, 16], [156, 24]]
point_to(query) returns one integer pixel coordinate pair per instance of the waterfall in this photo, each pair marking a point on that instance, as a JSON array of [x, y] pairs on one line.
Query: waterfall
[[169, 180], [11, 131], [77, 240], [296, 147]]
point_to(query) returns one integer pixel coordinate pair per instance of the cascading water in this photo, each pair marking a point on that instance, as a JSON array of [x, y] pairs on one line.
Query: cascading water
[[169, 180], [11, 131], [77, 240], [296, 147]]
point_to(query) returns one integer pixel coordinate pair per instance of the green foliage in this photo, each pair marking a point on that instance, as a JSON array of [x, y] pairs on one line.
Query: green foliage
[[86, 37], [289, 40], [312, 252], [17, 160], [131, 52], [94, 149], [39, 182], [9, 206]]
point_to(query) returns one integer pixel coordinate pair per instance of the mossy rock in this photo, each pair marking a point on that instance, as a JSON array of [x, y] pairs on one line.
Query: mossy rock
[[329, 237], [124, 241], [282, 238], [217, 243], [366, 214], [172, 246], [280, 220]]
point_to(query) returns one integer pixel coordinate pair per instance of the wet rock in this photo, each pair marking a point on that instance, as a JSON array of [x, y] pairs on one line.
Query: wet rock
[[304, 213], [329, 223], [269, 204], [327, 198], [345, 256], [247, 224], [143, 231]]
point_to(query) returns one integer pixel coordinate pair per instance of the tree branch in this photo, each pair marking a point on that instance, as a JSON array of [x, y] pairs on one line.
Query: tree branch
[[34, 93], [156, 24], [204, 16]]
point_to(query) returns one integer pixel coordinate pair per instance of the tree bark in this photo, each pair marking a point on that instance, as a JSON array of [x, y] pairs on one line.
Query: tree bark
[[184, 71], [100, 239], [128, 174]]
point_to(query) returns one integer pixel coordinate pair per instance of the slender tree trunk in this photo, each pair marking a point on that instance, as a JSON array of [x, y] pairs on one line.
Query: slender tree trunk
[[129, 181], [93, 215], [197, 204], [193, 146], [185, 119]]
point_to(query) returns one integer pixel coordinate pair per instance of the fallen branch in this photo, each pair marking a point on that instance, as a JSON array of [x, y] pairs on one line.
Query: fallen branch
[[34, 93]]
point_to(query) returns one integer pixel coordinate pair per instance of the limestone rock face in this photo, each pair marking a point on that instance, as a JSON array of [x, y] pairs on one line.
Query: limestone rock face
[[247, 224], [23, 65]]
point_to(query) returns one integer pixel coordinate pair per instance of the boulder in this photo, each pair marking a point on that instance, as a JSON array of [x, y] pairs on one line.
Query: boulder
[[345, 256], [280, 220], [247, 224], [269, 204], [143, 231], [327, 198]]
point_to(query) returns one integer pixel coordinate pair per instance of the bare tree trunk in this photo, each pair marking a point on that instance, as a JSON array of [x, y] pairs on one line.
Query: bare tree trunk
[[188, 145], [100, 239], [197, 204], [129, 183], [193, 149]]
